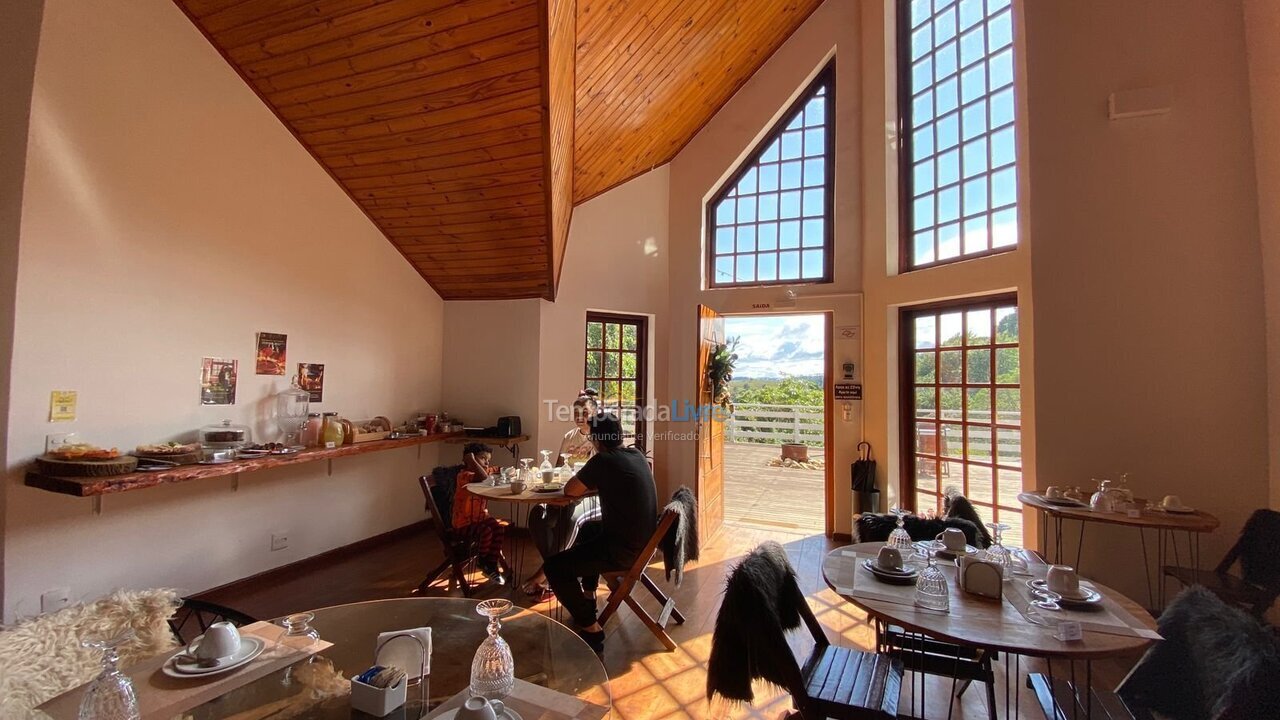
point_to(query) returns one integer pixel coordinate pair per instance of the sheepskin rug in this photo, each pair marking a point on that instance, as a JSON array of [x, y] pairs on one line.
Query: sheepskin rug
[[41, 657]]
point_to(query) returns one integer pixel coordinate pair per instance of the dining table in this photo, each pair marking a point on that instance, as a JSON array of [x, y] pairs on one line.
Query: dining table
[[518, 506], [1115, 625], [1168, 527], [557, 674]]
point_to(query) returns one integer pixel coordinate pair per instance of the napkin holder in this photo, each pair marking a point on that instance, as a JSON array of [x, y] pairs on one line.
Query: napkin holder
[[380, 702], [980, 577]]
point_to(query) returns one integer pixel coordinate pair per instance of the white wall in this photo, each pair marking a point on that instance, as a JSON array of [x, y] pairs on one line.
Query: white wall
[[169, 216], [1262, 36]]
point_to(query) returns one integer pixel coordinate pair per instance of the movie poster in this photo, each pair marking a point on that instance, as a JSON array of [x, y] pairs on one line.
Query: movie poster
[[311, 379], [218, 381], [271, 352]]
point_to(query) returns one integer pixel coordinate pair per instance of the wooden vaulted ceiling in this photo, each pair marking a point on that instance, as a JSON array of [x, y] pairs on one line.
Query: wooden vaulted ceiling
[[468, 129]]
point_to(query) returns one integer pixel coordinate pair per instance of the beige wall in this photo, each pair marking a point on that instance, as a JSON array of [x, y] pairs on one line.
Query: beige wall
[[19, 35], [168, 216], [1262, 35], [1148, 292], [697, 172]]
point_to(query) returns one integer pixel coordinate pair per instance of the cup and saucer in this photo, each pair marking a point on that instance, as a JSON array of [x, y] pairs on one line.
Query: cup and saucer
[[477, 708], [949, 543], [1063, 581], [220, 649], [1173, 504], [887, 567]]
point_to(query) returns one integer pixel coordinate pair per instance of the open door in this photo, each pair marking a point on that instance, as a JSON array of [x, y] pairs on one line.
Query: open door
[[709, 484]]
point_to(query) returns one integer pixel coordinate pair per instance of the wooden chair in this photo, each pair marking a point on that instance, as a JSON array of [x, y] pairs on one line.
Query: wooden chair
[[622, 584], [834, 682], [193, 617], [1259, 585], [459, 552]]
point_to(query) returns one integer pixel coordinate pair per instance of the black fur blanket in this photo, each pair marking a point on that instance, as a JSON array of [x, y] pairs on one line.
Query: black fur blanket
[[958, 507], [680, 545], [1215, 663], [761, 604], [442, 491], [876, 528]]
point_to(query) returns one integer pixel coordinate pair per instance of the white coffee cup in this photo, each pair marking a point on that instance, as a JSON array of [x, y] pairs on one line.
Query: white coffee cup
[[517, 487], [1053, 491], [952, 539], [1171, 501], [220, 640], [889, 558], [1063, 580], [477, 708]]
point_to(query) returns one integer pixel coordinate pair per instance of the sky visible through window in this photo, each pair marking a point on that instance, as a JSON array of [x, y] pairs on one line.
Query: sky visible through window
[[775, 346]]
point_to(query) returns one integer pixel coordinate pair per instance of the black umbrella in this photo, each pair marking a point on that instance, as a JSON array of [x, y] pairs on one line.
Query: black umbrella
[[863, 473]]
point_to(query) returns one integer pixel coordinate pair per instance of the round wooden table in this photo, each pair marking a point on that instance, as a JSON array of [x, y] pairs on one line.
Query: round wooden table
[[547, 655], [981, 624], [1167, 527], [519, 506]]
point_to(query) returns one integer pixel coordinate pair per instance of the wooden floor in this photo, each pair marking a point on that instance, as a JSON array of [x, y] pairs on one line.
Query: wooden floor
[[647, 683], [758, 496]]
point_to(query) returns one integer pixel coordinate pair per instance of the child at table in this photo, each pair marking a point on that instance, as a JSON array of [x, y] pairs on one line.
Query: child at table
[[470, 516]]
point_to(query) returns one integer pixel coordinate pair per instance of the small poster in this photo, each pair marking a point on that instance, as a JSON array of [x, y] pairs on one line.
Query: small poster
[[218, 381], [62, 406], [271, 351], [311, 379]]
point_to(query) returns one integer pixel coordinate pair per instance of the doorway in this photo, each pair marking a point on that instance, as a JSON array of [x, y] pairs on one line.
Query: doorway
[[776, 437]]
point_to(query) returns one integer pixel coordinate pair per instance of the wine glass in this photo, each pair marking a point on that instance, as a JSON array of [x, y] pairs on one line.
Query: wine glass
[[998, 554], [931, 587], [526, 472], [110, 696], [297, 634], [899, 538], [493, 671]]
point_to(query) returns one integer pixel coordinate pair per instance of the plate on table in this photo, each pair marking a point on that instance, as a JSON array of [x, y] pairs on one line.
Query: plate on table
[[1085, 598], [547, 488], [924, 545], [892, 577], [1063, 501], [181, 666]]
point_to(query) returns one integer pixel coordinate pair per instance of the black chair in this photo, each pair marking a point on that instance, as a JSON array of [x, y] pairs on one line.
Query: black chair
[[762, 603], [1256, 549], [459, 552], [193, 617]]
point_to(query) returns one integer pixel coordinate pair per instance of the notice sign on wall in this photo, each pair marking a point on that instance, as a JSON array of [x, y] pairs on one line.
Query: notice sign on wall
[[848, 391], [62, 406]]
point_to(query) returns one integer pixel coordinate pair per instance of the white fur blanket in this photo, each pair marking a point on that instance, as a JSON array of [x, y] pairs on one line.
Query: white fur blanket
[[41, 657]]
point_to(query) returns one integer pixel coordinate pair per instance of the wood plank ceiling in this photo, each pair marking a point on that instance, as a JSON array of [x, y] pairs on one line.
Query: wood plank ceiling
[[468, 129]]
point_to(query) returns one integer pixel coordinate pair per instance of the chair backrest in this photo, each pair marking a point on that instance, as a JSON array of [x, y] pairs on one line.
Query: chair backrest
[[441, 520], [1256, 550], [195, 616], [762, 603]]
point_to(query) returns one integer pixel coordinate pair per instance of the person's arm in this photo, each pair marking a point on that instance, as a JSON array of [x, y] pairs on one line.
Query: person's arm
[[587, 480], [469, 460], [575, 488]]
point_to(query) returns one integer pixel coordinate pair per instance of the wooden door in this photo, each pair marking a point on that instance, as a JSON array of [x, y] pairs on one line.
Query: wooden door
[[709, 484]]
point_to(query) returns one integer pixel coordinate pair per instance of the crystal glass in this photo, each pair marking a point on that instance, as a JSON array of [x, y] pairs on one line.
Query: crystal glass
[[899, 538], [297, 633], [110, 696], [1041, 601], [546, 469], [526, 471], [931, 587], [493, 671], [998, 554], [292, 405]]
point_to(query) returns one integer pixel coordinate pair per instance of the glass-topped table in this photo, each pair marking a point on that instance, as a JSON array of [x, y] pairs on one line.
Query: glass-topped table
[[546, 654]]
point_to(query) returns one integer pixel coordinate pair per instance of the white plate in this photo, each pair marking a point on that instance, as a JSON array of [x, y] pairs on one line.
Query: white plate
[[1086, 596], [216, 462], [250, 648], [938, 546], [506, 714], [1179, 510]]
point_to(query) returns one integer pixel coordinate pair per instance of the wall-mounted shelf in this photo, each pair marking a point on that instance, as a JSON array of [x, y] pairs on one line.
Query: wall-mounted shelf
[[95, 486]]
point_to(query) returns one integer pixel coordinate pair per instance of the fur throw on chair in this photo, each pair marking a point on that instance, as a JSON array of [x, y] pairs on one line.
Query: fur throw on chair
[[681, 542], [41, 657], [957, 506], [1216, 662], [876, 528], [761, 604]]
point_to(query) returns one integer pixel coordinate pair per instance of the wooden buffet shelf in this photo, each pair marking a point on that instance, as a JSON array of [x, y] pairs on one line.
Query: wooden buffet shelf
[[93, 486]]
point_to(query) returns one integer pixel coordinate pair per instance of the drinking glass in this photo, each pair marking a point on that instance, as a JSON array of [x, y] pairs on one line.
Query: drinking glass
[[110, 696], [493, 671], [297, 634], [931, 587], [998, 554], [1043, 600], [899, 538], [526, 471]]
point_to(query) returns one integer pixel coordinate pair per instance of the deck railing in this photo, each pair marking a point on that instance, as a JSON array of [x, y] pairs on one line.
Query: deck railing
[[775, 424]]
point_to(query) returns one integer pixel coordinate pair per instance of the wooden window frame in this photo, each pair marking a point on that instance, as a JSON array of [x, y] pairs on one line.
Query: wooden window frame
[[906, 164], [641, 322], [907, 387], [825, 78]]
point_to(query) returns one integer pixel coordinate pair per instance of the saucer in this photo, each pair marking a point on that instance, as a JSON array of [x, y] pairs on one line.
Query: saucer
[[181, 667], [506, 714], [1086, 596], [941, 549], [547, 488], [1063, 501], [905, 577]]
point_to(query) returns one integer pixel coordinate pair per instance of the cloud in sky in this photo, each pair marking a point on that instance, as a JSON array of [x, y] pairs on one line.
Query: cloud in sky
[[777, 345]]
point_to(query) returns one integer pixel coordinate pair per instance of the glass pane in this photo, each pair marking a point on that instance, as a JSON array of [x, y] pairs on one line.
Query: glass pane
[[1007, 325], [952, 330], [970, 13], [925, 368], [747, 209], [972, 46], [768, 177], [770, 153], [611, 367], [952, 475], [726, 211], [1007, 366], [1006, 228], [975, 157], [792, 146], [978, 327], [724, 269], [1002, 107], [747, 185], [948, 241], [951, 399], [747, 238], [952, 441], [811, 233], [815, 144], [767, 267], [944, 26], [948, 137], [628, 365], [923, 180], [977, 405], [975, 234], [980, 486], [788, 265], [1000, 28], [926, 438], [812, 264], [813, 202], [923, 245], [922, 142], [975, 196], [814, 172], [1004, 187], [950, 370], [926, 405], [1009, 406], [973, 120], [746, 270], [978, 366], [949, 205], [595, 334], [610, 394], [724, 240], [612, 336], [789, 235], [792, 175], [922, 211], [628, 391], [922, 73], [1009, 447], [973, 82], [629, 337], [767, 236], [946, 96], [979, 443], [790, 204], [1002, 147], [926, 331], [948, 167], [593, 363], [926, 474]]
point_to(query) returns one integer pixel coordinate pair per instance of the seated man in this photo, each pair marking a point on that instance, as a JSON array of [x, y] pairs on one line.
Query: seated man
[[470, 515], [629, 517]]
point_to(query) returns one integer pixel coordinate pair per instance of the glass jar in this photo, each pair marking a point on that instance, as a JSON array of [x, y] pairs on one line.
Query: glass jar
[[311, 432], [332, 434], [292, 404], [225, 436]]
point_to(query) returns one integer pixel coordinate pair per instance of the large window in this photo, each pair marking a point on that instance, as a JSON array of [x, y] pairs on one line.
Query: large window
[[771, 223], [962, 407], [956, 106], [615, 368]]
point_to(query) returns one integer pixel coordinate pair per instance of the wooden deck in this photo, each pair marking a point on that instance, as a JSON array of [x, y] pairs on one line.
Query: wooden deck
[[761, 497]]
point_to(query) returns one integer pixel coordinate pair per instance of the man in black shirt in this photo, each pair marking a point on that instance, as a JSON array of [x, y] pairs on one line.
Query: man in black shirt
[[629, 517]]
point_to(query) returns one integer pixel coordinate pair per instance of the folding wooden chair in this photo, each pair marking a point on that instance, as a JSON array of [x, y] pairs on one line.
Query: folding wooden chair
[[621, 585], [459, 552]]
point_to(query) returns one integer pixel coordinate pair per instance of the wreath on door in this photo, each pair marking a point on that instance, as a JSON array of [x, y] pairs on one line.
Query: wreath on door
[[720, 372]]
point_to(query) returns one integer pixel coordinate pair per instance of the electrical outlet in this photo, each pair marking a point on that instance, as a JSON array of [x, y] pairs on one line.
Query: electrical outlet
[[55, 599], [279, 541], [53, 441]]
